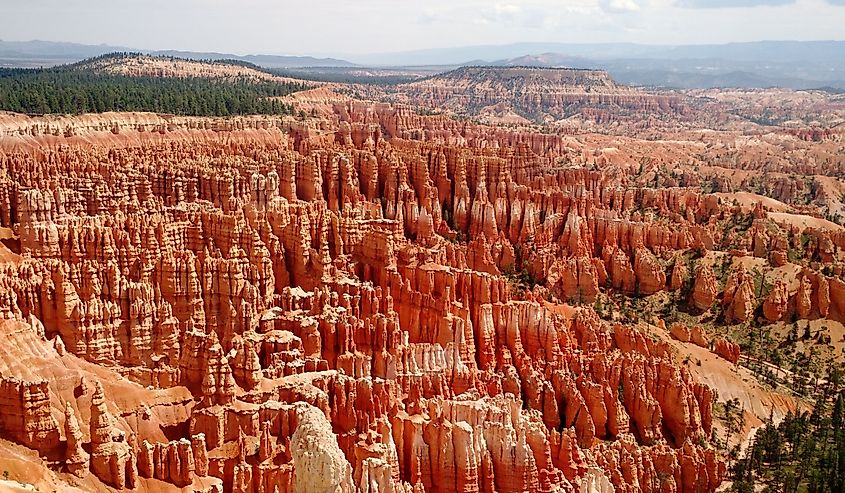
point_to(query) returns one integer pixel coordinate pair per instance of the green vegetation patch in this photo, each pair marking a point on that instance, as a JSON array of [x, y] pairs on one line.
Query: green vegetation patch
[[805, 452], [64, 90]]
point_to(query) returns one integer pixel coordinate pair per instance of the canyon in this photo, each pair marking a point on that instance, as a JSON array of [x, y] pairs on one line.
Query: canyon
[[369, 297]]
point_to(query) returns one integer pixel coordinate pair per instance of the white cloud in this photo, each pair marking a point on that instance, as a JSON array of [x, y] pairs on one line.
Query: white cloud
[[507, 9], [620, 5], [722, 4], [337, 27]]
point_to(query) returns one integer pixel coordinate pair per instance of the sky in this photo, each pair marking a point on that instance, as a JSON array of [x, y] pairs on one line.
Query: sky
[[342, 27]]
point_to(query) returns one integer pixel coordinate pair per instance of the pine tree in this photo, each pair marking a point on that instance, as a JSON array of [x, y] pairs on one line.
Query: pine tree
[[67, 90]]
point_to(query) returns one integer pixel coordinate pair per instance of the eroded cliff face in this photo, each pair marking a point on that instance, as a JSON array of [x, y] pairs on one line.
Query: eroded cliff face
[[329, 307], [536, 94]]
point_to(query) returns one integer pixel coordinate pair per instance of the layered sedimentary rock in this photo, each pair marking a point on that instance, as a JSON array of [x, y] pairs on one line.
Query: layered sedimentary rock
[[374, 300], [26, 413], [535, 91]]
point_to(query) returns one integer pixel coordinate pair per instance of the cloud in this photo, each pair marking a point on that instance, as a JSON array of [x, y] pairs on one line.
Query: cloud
[[727, 4], [512, 16], [619, 6], [335, 27], [506, 9], [723, 4]]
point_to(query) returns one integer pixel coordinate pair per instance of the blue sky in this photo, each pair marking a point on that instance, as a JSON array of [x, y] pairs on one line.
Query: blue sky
[[350, 27]]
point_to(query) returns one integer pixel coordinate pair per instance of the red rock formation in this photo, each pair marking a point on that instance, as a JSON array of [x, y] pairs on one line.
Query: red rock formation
[[76, 458], [803, 298], [837, 299], [777, 302], [26, 413], [650, 275], [681, 332], [111, 456], [534, 90], [695, 335], [679, 274], [375, 301], [726, 349], [704, 289], [739, 299], [172, 462], [699, 336]]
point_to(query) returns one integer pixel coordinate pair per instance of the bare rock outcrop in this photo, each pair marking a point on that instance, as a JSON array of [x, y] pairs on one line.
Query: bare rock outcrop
[[726, 349], [76, 458], [320, 464], [739, 299], [776, 303], [705, 288]]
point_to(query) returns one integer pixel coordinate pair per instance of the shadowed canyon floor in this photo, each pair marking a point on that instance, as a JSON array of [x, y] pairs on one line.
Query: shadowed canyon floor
[[368, 298]]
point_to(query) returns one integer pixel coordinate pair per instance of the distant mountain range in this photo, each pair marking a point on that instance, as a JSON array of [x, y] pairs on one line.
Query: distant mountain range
[[48, 53], [688, 73], [790, 64], [774, 51]]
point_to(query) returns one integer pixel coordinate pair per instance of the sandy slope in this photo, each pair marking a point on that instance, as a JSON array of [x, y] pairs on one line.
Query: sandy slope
[[732, 381], [804, 221], [747, 200]]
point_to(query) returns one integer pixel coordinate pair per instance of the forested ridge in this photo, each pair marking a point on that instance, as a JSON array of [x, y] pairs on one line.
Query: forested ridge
[[71, 91]]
